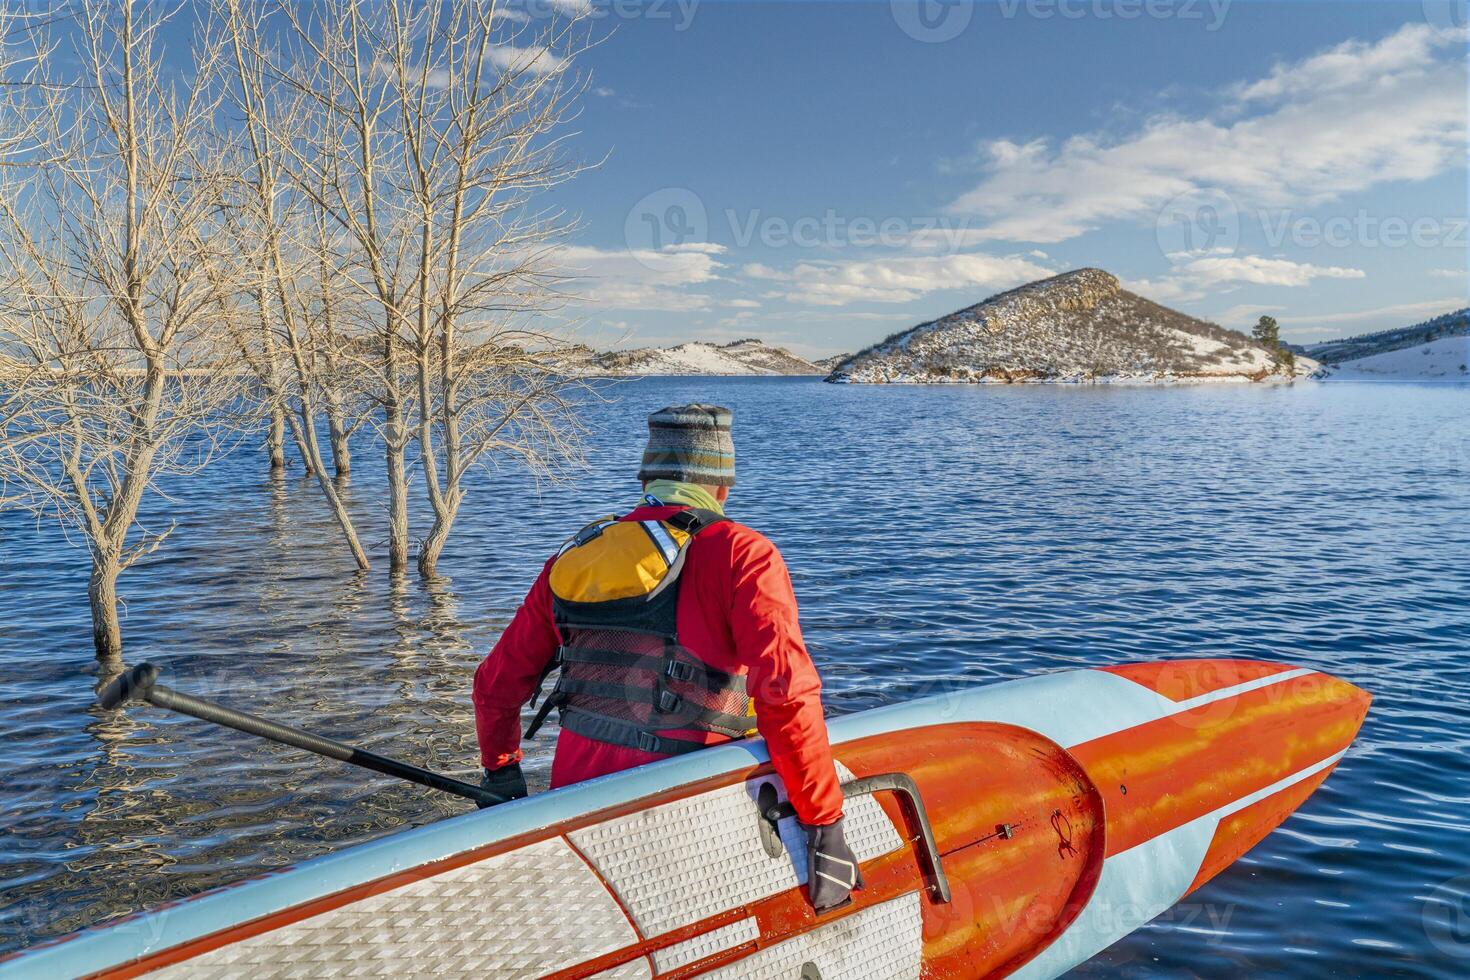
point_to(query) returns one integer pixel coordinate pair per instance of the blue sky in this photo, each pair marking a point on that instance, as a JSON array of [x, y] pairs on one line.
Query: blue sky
[[822, 174]]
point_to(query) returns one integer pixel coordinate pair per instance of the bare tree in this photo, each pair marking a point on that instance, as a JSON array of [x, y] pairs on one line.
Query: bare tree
[[282, 292], [343, 162], [483, 111], [112, 286]]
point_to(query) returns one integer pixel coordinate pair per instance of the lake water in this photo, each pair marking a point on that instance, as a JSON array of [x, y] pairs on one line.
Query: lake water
[[961, 535]]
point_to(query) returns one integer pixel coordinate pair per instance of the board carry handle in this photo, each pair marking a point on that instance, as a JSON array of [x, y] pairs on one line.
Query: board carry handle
[[902, 785], [141, 684]]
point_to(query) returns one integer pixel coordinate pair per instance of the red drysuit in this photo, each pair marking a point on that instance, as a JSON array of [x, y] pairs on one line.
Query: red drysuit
[[737, 613]]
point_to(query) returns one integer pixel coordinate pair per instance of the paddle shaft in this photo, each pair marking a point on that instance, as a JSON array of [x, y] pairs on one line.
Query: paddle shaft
[[163, 697]]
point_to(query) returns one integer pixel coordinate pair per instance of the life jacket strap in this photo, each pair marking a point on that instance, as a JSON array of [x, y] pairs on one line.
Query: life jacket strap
[[553, 700], [692, 520], [602, 729]]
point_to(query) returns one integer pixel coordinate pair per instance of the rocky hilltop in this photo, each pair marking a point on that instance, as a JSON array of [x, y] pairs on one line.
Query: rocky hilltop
[[1081, 326], [742, 357]]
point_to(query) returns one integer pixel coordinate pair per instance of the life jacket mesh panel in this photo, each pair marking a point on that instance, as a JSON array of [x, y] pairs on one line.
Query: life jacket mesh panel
[[644, 694]]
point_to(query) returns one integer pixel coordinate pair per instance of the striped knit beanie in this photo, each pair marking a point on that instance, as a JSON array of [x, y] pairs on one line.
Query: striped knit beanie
[[690, 444]]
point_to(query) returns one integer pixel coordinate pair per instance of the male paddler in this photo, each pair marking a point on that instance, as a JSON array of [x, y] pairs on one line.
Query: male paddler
[[671, 626]]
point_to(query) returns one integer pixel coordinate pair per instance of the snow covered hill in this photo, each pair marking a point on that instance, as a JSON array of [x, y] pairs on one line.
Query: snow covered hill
[[1445, 359], [1081, 326], [1331, 352], [742, 357]]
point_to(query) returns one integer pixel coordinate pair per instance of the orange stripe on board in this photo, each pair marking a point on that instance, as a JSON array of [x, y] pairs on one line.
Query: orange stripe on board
[[1165, 773], [1180, 680], [1243, 829]]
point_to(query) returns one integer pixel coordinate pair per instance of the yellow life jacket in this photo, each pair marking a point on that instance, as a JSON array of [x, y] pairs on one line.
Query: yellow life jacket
[[624, 675]]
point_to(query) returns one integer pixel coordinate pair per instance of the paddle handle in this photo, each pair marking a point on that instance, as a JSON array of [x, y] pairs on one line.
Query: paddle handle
[[140, 683]]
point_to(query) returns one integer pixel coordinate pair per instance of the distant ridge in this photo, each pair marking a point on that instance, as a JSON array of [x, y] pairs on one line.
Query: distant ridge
[[1080, 326], [1329, 352], [738, 358]]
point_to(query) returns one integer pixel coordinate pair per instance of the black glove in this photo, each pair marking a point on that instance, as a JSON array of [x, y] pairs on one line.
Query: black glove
[[832, 870], [508, 782]]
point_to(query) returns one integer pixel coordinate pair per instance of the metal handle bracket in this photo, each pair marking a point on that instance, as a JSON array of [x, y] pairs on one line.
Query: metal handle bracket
[[911, 803]]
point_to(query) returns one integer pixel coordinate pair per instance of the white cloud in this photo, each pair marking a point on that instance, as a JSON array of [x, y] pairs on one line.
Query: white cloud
[[1211, 271], [1338, 122], [603, 92], [534, 59], [1346, 65], [1448, 274], [642, 279], [744, 304], [1193, 276], [894, 280]]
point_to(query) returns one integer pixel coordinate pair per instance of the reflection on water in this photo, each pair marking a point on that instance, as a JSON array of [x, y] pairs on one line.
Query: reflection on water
[[948, 536]]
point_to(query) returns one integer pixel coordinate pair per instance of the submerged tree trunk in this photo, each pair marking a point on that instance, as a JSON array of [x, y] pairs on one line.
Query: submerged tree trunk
[[102, 593], [276, 440], [433, 545], [397, 495], [307, 441], [394, 439], [337, 432]]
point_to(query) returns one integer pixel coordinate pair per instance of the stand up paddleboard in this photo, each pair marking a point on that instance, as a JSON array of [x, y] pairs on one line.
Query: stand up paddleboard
[[1009, 830]]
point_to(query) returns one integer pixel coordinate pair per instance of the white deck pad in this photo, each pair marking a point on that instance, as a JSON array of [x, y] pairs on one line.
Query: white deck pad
[[675, 864], [881, 941], [706, 944], [520, 914]]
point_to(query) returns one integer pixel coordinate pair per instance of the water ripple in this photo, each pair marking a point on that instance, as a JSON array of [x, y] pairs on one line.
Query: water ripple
[[938, 538]]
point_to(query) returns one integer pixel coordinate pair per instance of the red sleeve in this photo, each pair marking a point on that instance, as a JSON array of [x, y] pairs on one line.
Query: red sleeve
[[783, 680], [507, 677]]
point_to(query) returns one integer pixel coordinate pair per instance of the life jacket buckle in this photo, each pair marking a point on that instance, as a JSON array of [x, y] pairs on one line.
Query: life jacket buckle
[[649, 743], [668, 702], [678, 670]]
